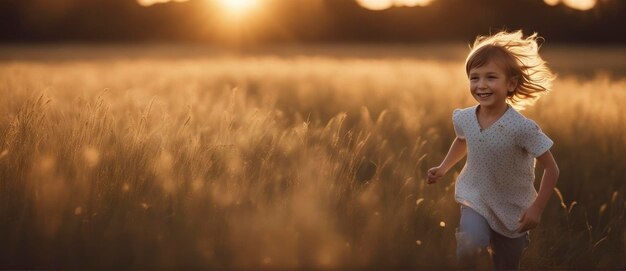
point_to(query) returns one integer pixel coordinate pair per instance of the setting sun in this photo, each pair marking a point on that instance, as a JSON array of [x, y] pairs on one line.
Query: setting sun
[[237, 7]]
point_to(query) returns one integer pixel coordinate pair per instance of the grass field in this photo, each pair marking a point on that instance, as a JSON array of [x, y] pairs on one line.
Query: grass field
[[281, 158]]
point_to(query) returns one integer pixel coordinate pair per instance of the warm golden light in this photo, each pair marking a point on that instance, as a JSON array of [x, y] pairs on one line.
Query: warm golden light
[[385, 4], [580, 4], [237, 7], [575, 4], [375, 4]]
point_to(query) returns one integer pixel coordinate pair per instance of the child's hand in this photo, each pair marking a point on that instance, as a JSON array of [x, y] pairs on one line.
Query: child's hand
[[434, 174], [529, 219]]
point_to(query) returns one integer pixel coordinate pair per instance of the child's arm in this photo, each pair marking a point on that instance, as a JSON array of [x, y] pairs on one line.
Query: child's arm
[[530, 218], [457, 151]]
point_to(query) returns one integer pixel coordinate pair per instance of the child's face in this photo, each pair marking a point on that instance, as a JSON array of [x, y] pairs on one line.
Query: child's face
[[489, 84]]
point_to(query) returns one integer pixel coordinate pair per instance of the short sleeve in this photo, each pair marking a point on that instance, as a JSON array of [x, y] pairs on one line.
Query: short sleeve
[[533, 140], [456, 121]]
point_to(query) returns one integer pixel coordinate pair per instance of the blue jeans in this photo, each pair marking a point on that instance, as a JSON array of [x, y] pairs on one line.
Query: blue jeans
[[474, 236]]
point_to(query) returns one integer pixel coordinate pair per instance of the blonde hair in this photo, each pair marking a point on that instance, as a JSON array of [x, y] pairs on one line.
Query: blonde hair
[[521, 61]]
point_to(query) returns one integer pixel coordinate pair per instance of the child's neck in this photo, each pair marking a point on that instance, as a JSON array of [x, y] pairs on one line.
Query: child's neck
[[493, 111]]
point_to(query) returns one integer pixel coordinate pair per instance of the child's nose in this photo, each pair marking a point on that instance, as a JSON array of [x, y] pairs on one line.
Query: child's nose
[[482, 84]]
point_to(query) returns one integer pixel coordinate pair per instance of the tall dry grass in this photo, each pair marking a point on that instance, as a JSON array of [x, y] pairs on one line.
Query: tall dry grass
[[129, 160]]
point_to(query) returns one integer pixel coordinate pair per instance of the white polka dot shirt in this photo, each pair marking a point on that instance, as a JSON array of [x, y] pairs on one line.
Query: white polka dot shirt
[[497, 180]]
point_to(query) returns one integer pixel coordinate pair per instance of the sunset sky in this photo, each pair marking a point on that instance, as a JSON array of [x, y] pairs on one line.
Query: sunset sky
[[241, 5], [269, 21]]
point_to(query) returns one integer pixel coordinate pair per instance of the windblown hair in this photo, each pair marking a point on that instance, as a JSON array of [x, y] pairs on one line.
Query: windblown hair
[[520, 58]]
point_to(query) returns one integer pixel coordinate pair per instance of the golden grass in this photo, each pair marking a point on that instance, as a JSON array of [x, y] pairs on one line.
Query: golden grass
[[277, 161]]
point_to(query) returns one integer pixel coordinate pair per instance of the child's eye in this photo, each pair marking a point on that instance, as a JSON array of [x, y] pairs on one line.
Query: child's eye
[[473, 78]]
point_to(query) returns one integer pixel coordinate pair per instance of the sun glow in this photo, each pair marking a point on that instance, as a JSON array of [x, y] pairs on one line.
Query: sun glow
[[229, 7], [575, 4], [385, 4], [237, 7]]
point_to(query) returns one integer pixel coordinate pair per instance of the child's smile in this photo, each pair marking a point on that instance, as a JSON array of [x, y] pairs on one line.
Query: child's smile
[[484, 95]]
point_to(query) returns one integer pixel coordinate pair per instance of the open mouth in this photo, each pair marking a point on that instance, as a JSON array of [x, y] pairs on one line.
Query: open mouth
[[484, 95]]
